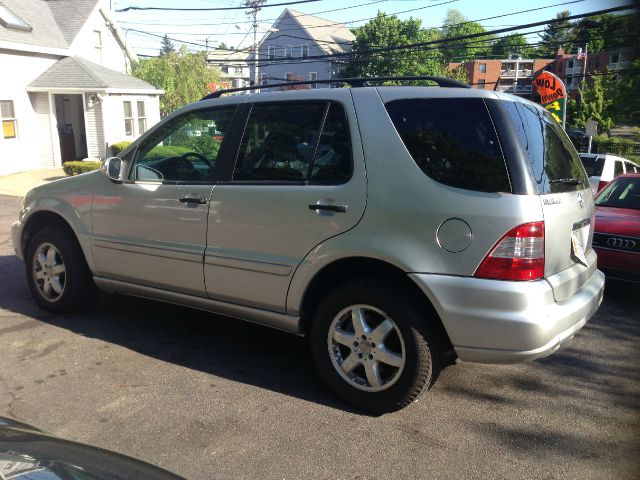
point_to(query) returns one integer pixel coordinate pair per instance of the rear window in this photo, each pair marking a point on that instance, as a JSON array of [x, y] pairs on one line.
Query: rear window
[[593, 165], [453, 141], [552, 158]]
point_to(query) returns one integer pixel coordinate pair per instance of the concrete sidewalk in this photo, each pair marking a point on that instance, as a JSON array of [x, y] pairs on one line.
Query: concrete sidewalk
[[18, 184]]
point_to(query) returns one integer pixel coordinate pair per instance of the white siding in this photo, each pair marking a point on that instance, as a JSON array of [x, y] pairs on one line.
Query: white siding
[[22, 153], [95, 127], [111, 55], [42, 125], [114, 115]]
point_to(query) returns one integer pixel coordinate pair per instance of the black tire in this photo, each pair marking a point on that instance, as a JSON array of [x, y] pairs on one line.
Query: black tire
[[79, 289], [422, 350]]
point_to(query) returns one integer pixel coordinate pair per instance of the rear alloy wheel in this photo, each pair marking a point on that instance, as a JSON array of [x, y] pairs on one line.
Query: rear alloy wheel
[[372, 345], [366, 348], [57, 273]]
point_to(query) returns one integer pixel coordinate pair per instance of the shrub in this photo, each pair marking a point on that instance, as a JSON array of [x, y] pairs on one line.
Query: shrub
[[116, 148], [76, 168]]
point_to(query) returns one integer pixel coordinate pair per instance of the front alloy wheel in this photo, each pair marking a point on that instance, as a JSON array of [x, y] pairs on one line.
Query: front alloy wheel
[[49, 272]]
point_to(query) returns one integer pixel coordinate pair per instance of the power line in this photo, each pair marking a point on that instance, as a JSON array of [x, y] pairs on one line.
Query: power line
[[174, 9], [393, 48]]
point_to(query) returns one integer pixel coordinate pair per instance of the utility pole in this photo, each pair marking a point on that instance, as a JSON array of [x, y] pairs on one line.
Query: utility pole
[[256, 6]]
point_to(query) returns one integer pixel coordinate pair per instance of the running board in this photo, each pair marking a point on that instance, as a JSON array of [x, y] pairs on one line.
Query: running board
[[280, 321]]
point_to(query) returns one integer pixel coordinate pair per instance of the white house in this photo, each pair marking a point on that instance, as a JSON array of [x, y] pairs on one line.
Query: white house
[[64, 91], [233, 65]]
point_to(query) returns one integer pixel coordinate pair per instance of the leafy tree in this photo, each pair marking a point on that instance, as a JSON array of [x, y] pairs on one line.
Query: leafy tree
[[222, 46], [595, 102], [385, 30], [512, 46], [455, 25], [183, 76], [167, 46], [626, 101], [555, 36]]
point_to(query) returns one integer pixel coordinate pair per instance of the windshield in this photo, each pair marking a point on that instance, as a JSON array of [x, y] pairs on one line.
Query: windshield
[[593, 165], [621, 193]]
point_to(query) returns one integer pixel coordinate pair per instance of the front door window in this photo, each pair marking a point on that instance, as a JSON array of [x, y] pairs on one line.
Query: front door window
[[185, 150]]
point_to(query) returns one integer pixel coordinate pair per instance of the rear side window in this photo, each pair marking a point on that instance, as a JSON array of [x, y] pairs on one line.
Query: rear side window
[[593, 165], [295, 142], [553, 160], [453, 141], [617, 169]]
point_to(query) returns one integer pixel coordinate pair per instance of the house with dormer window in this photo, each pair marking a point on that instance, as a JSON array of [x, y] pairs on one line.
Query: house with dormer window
[[65, 91]]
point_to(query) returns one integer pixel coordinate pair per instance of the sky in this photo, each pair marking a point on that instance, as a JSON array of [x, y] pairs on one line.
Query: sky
[[233, 27]]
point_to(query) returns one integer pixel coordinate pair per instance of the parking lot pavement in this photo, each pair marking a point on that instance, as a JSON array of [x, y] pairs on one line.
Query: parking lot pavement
[[211, 397]]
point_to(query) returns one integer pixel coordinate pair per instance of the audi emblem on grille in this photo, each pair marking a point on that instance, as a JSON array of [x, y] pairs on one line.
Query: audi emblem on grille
[[621, 243]]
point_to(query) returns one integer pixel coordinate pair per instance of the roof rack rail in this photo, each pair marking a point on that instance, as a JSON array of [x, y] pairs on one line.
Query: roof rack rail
[[353, 82]]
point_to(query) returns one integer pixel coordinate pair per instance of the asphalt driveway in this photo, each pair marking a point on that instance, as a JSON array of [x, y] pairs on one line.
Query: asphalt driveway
[[211, 397]]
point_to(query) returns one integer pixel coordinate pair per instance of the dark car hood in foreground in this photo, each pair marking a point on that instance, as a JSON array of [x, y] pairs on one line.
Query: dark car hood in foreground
[[29, 453], [618, 221]]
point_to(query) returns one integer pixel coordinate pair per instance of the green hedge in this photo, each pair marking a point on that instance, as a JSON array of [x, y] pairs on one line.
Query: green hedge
[[76, 168], [116, 148]]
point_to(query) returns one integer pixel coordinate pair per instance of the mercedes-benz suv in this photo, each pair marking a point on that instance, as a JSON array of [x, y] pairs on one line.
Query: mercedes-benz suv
[[392, 226]]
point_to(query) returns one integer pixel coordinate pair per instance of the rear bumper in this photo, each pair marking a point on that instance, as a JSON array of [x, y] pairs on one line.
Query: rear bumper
[[494, 321]]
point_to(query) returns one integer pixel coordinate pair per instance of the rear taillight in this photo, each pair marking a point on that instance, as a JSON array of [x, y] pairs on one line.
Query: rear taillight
[[518, 255]]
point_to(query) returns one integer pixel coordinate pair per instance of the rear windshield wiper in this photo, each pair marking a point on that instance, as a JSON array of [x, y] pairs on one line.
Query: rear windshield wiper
[[567, 181]]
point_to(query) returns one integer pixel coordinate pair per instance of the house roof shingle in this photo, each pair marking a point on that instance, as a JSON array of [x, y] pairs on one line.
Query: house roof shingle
[[81, 74], [54, 23], [331, 37]]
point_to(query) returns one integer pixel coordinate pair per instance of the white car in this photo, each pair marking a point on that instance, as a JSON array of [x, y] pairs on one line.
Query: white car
[[603, 167]]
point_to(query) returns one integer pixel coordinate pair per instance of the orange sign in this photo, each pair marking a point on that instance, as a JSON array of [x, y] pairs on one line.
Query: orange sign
[[553, 94], [549, 87]]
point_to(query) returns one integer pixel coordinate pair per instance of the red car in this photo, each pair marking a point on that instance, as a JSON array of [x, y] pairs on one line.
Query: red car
[[616, 238]]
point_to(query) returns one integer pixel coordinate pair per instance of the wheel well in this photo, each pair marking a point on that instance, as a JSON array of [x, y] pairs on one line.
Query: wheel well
[[342, 271], [40, 220]]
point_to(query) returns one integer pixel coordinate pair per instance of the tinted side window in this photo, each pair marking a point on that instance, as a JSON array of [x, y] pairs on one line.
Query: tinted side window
[[453, 141], [184, 150], [593, 165], [617, 169], [279, 142], [333, 161], [550, 153]]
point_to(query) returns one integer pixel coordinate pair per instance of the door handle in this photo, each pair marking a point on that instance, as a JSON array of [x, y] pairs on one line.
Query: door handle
[[328, 207], [193, 200]]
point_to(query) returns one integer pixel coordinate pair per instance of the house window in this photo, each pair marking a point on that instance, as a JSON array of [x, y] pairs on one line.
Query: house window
[[142, 118], [271, 52], [304, 51], [288, 52], [128, 119], [481, 84], [97, 35], [8, 19], [237, 70], [597, 61], [483, 68], [9, 122], [313, 76], [570, 64], [263, 79], [615, 58]]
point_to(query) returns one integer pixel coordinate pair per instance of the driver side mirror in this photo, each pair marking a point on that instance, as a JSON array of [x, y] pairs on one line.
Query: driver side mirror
[[112, 168]]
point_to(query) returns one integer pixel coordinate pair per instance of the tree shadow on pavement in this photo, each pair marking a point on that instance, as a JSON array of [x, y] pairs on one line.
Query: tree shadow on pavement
[[210, 343]]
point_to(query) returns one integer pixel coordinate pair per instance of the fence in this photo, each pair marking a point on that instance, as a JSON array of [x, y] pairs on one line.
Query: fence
[[615, 148]]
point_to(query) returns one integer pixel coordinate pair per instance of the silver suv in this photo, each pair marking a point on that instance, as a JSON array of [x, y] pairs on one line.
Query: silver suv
[[392, 226]]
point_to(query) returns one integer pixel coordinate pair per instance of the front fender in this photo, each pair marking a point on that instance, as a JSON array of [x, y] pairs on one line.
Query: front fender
[[71, 199]]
